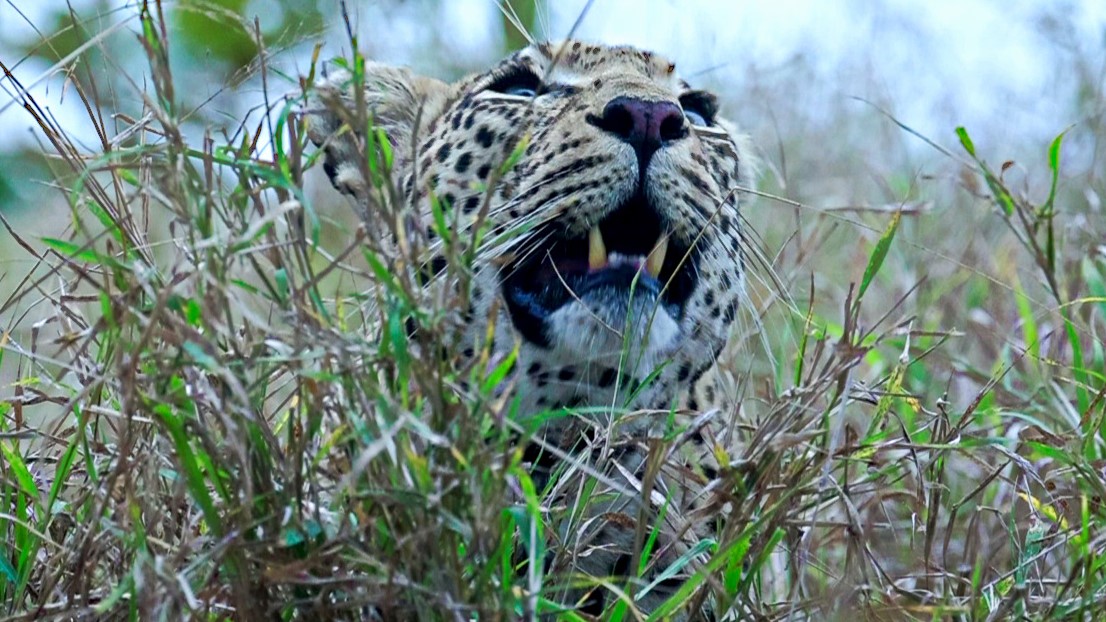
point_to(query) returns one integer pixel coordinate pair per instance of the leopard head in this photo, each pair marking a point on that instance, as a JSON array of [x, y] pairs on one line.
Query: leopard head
[[609, 186]]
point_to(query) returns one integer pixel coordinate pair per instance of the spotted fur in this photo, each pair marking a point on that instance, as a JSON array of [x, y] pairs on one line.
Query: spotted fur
[[652, 361]]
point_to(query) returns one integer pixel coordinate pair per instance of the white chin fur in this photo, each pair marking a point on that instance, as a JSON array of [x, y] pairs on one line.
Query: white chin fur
[[600, 332]]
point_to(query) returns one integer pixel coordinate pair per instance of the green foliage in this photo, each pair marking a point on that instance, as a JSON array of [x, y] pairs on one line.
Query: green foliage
[[18, 172], [519, 18], [217, 29], [220, 30]]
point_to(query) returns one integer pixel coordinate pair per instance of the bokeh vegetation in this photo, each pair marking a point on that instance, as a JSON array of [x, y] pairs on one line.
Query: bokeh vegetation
[[200, 414]]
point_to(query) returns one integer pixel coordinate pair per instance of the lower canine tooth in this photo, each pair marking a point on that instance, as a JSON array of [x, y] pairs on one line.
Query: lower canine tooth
[[655, 260], [597, 251]]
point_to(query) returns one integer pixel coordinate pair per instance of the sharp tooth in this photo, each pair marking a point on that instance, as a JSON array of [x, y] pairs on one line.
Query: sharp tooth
[[655, 260], [597, 251]]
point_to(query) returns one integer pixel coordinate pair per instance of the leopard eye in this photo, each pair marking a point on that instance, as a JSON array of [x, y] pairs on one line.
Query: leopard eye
[[521, 91], [699, 108], [694, 117], [518, 81]]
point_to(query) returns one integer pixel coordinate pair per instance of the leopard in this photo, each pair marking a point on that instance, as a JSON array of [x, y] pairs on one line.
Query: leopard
[[613, 190]]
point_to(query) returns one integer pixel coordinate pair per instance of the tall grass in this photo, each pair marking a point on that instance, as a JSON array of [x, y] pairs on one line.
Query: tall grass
[[218, 412]]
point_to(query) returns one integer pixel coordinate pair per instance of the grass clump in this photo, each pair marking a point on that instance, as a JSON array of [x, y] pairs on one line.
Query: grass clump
[[214, 409]]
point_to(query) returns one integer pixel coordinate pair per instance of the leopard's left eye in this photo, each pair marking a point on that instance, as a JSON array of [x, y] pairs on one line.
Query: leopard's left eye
[[699, 108], [519, 81]]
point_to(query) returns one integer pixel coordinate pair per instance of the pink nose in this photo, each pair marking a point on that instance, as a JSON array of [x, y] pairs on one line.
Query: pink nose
[[645, 125]]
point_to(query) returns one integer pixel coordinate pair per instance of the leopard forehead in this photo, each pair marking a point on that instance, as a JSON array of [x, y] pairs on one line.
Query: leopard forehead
[[586, 71], [570, 61]]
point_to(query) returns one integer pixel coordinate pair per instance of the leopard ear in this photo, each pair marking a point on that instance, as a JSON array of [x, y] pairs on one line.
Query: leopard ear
[[397, 101]]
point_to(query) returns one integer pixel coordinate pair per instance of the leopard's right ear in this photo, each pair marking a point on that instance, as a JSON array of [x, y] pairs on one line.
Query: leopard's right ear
[[397, 101]]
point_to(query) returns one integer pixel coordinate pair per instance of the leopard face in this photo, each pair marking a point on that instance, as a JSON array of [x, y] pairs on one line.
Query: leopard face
[[609, 187]]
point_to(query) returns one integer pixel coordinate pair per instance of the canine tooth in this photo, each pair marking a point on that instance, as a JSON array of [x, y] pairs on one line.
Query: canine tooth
[[597, 251], [655, 261]]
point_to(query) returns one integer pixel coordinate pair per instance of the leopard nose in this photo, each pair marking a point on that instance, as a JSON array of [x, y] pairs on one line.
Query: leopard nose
[[645, 125]]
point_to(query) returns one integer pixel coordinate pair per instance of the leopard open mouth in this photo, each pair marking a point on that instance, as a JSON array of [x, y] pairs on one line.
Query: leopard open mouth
[[630, 253]]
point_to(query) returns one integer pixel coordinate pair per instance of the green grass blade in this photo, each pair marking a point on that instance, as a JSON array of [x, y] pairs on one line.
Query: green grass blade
[[879, 253]]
